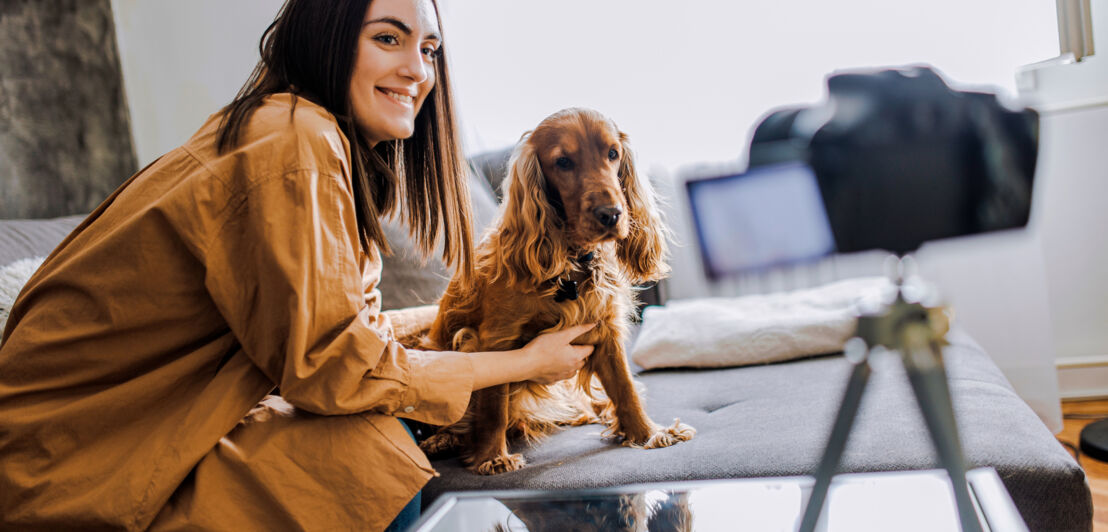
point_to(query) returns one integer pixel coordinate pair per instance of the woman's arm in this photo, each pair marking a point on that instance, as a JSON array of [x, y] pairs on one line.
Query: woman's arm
[[547, 359], [410, 324], [282, 270]]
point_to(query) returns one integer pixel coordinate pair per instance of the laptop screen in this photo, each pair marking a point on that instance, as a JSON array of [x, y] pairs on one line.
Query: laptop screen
[[765, 217]]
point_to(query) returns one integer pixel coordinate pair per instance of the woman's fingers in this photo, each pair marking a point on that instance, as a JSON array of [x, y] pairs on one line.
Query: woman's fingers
[[582, 352], [571, 333], [555, 357]]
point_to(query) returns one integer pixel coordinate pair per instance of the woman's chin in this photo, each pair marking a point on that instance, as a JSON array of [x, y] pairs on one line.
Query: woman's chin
[[390, 133]]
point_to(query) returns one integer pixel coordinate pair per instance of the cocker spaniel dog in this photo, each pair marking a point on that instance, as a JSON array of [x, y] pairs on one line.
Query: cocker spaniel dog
[[578, 229]]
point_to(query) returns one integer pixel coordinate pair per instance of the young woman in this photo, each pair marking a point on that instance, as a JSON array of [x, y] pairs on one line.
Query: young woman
[[137, 361]]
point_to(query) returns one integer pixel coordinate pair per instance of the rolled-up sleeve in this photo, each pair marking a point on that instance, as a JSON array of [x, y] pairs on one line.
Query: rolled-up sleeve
[[411, 324], [284, 272]]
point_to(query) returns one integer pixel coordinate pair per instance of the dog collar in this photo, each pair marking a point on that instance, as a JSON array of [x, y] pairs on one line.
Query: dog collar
[[567, 286], [567, 290]]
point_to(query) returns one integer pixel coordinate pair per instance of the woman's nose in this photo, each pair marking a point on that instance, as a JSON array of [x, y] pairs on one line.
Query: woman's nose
[[414, 67]]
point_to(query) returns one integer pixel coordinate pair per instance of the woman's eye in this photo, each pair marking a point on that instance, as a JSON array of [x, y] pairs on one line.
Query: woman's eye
[[430, 51], [613, 154], [386, 39], [564, 163]]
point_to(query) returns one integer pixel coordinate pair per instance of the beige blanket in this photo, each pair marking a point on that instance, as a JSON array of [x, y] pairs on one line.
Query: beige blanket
[[719, 332]]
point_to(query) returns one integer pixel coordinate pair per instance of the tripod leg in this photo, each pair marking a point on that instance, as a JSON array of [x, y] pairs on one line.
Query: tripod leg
[[836, 444], [929, 382]]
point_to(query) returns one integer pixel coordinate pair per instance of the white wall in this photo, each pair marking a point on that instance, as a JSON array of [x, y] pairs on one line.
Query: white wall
[[1074, 179], [687, 81], [183, 61], [1075, 175]]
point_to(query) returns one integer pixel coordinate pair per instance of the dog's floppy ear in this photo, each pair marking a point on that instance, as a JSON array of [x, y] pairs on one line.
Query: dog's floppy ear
[[643, 253], [532, 245]]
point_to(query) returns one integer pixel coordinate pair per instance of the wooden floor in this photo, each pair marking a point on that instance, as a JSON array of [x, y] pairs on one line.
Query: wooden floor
[[1095, 470]]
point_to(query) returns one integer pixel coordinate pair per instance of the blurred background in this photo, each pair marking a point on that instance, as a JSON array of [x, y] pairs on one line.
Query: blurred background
[[688, 83]]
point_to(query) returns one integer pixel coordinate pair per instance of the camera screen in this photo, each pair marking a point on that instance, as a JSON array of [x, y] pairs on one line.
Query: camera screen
[[765, 217]]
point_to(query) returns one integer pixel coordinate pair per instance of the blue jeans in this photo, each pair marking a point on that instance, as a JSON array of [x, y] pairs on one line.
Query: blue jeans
[[410, 514]]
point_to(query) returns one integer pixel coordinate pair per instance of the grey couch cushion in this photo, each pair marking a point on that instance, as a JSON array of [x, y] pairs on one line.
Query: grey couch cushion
[[21, 239], [773, 420]]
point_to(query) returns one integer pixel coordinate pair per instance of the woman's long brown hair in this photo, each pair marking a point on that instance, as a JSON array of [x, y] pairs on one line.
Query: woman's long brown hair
[[309, 50]]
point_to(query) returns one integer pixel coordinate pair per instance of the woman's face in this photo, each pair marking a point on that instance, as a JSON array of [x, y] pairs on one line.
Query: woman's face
[[395, 67]]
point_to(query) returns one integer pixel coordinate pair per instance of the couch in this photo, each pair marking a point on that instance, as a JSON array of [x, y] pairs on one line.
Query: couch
[[753, 421]]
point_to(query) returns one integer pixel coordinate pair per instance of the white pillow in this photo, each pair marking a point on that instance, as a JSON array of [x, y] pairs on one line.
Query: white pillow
[[12, 278], [737, 331]]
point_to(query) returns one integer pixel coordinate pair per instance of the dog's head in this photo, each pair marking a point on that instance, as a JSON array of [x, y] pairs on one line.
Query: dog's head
[[572, 185]]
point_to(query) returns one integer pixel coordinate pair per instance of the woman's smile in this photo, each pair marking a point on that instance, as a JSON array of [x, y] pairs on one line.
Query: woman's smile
[[401, 97]]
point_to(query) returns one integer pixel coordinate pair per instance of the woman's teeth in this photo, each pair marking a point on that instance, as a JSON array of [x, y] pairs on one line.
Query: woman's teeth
[[402, 98]]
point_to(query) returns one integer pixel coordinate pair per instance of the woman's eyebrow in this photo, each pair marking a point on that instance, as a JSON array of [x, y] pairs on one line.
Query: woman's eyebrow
[[400, 25]]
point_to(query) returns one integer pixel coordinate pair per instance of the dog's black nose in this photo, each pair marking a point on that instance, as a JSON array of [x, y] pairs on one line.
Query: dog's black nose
[[607, 216]]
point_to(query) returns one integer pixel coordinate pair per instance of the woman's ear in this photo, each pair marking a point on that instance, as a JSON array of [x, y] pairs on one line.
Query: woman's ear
[[532, 246], [644, 251]]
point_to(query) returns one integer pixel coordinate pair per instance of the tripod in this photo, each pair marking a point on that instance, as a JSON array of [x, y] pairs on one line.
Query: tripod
[[916, 332]]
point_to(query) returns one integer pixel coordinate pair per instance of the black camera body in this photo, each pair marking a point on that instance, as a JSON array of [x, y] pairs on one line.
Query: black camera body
[[902, 159]]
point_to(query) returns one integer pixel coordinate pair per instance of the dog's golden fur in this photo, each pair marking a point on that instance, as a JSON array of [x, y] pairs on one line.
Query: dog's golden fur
[[574, 165]]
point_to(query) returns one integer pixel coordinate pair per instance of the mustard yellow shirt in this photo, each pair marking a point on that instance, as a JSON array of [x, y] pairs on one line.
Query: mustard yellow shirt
[[175, 307]]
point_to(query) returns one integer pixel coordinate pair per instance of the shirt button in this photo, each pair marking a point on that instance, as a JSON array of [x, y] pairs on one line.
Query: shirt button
[[409, 409]]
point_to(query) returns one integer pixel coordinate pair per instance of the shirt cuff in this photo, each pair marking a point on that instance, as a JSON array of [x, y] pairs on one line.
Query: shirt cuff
[[410, 324], [439, 386]]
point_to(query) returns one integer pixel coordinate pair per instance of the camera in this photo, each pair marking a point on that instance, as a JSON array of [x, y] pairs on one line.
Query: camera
[[892, 159]]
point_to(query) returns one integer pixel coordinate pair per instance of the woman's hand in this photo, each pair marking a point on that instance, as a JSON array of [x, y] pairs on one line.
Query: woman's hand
[[552, 358], [547, 359]]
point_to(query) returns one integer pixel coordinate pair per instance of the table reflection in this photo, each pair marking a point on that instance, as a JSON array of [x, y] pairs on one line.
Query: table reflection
[[721, 507]]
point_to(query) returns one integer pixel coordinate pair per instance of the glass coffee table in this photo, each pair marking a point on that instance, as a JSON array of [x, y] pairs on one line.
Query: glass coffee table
[[904, 501]]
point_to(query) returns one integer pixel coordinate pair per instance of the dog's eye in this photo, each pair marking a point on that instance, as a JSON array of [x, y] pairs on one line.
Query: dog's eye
[[613, 154], [564, 163]]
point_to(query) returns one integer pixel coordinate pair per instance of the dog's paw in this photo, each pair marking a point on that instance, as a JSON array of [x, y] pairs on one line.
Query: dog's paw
[[664, 437], [440, 442], [500, 464]]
